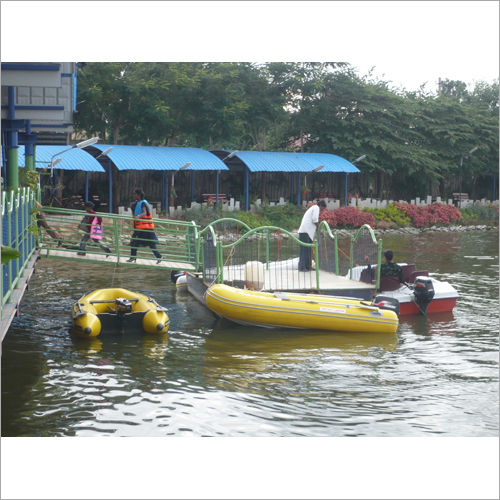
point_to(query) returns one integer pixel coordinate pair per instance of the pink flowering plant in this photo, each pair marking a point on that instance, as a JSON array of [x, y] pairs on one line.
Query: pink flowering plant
[[348, 217], [436, 214]]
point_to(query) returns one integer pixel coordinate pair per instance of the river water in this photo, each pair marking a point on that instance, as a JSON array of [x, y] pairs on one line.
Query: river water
[[438, 376]]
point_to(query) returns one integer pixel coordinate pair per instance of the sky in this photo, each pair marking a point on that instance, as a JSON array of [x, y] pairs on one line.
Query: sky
[[407, 43]]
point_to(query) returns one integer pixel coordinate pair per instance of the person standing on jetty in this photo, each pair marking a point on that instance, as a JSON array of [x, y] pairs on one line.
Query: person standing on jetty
[[143, 235], [307, 230]]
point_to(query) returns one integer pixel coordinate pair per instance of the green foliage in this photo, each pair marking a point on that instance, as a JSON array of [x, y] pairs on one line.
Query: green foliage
[[412, 140], [390, 214], [29, 178], [9, 254], [286, 216], [480, 214], [203, 216], [250, 219]]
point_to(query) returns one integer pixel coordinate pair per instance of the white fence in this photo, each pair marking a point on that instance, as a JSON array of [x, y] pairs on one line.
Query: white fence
[[232, 205]]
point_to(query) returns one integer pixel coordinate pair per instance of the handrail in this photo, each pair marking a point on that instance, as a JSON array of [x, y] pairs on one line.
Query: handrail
[[261, 229], [370, 230], [268, 228], [224, 219], [325, 228], [72, 211], [16, 223], [375, 241]]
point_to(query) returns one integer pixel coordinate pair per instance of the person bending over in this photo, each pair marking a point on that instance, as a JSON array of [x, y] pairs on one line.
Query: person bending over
[[306, 233]]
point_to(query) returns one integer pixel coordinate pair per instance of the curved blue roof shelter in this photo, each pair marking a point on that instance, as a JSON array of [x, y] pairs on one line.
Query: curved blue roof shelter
[[160, 158], [298, 163], [165, 159], [73, 159]]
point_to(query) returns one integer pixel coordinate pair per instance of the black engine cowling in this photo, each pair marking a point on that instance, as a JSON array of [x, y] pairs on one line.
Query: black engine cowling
[[384, 302], [174, 275], [424, 293]]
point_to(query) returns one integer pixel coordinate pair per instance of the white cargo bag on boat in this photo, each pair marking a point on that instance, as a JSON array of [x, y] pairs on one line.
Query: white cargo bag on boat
[[254, 275]]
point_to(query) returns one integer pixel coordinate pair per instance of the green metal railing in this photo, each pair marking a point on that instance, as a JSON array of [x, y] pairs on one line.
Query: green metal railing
[[364, 249], [272, 246], [17, 229], [176, 241]]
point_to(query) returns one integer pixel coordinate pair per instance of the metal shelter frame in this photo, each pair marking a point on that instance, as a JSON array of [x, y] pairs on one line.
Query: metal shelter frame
[[297, 164], [165, 159]]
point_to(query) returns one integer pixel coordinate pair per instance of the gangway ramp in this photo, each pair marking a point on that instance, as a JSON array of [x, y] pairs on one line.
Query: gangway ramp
[[61, 230]]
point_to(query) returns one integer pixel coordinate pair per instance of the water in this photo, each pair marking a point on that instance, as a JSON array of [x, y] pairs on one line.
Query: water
[[438, 376]]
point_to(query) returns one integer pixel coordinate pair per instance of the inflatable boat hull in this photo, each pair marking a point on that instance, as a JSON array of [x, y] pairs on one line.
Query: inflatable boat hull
[[304, 311], [108, 307]]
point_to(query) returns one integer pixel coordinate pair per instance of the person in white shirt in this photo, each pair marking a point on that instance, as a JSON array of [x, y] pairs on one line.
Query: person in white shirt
[[306, 233]]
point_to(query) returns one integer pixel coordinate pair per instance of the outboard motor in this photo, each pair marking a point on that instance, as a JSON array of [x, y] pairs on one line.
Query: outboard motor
[[174, 275], [384, 302], [123, 306], [424, 293]]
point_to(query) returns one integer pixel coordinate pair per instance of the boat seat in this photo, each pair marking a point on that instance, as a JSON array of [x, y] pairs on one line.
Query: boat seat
[[388, 283], [408, 270], [366, 275], [417, 273]]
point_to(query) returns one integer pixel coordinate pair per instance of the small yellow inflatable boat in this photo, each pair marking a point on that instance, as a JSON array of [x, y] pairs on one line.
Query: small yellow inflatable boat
[[117, 307], [295, 310]]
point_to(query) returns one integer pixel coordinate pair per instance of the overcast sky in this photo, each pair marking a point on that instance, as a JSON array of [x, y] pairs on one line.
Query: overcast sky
[[408, 43]]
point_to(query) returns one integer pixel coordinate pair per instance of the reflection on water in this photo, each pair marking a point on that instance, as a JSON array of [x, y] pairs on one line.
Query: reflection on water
[[437, 376]]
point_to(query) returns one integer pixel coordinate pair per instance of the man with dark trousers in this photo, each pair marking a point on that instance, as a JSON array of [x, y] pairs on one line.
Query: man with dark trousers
[[307, 230], [143, 234]]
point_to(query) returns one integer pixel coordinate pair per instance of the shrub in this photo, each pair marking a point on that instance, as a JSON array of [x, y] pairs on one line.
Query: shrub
[[348, 217], [477, 214], [203, 216], [429, 215], [250, 219], [390, 214], [287, 216], [385, 224]]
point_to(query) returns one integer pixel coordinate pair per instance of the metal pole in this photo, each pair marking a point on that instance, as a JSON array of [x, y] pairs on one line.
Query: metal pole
[[246, 187], [298, 189], [29, 163], [110, 177], [460, 187], [346, 174], [192, 186], [167, 188], [164, 191], [12, 144], [217, 188], [86, 187]]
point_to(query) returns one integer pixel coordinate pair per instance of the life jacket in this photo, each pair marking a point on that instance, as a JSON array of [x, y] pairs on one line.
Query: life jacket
[[146, 222], [96, 230]]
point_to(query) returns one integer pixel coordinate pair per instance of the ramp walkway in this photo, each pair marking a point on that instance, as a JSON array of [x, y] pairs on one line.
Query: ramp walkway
[[62, 234]]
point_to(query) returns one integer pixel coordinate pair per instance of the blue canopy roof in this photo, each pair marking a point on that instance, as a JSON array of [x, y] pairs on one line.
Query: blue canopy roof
[[160, 158], [74, 159], [267, 161], [331, 163]]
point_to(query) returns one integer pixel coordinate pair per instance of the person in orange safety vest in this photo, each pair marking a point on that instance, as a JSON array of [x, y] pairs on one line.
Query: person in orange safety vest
[[143, 235]]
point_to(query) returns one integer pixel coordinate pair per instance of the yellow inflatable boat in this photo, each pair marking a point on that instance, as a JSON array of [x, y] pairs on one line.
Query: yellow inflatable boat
[[117, 307], [305, 311]]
